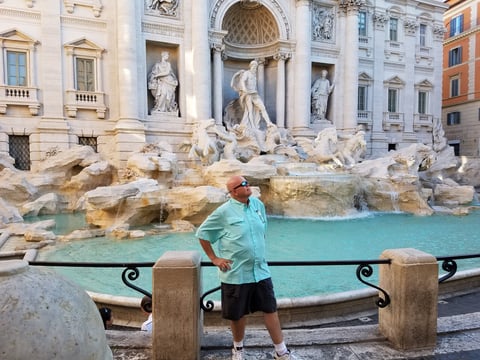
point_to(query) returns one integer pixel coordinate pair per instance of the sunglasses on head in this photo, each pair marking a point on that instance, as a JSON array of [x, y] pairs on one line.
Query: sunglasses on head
[[242, 184]]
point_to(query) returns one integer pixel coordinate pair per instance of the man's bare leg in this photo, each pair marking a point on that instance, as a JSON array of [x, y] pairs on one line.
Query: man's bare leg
[[272, 322], [238, 329]]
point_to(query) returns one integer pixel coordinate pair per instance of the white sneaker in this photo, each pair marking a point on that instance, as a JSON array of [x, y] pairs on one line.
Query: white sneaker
[[287, 356], [237, 353]]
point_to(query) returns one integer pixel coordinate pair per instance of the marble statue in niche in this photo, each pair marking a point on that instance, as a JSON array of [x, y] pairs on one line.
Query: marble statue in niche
[[254, 111], [162, 84], [320, 92]]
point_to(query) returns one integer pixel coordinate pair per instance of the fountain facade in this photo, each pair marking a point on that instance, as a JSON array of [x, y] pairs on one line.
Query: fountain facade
[[138, 56]]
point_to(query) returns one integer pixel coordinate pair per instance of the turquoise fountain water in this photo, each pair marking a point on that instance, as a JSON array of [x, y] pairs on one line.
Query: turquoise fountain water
[[288, 240]]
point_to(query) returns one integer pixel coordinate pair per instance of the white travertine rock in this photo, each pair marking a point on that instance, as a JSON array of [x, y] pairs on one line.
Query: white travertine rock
[[8, 213], [322, 195], [6, 161], [15, 187], [91, 177], [445, 194], [22, 228], [44, 205], [66, 160], [218, 173], [106, 197], [192, 204], [44, 316], [39, 235], [83, 234]]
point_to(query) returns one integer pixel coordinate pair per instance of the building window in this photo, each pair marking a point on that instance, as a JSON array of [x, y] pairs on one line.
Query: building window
[[455, 56], [362, 98], [422, 102], [392, 100], [84, 74], [362, 23], [17, 68], [84, 81], [453, 118], [392, 147], [88, 141], [19, 149], [456, 25], [393, 29], [423, 35], [454, 87]]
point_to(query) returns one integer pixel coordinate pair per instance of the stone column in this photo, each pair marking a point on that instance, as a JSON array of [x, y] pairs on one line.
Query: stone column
[[261, 77], [411, 280], [281, 58], [218, 83], [129, 131], [127, 60], [410, 105], [379, 139], [303, 69], [350, 69], [437, 57], [53, 129], [177, 322], [201, 61]]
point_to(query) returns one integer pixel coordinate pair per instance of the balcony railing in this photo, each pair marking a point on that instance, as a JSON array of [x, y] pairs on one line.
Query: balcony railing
[[393, 121], [365, 118], [423, 121], [86, 100], [19, 96]]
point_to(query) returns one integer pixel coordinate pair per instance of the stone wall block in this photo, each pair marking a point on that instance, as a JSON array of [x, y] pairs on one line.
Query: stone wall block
[[411, 280], [177, 322]]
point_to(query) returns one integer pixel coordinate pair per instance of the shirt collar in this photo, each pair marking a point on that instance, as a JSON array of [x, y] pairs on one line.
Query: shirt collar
[[239, 203]]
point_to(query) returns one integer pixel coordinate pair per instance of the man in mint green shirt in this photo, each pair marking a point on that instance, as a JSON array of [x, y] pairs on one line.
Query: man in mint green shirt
[[238, 228]]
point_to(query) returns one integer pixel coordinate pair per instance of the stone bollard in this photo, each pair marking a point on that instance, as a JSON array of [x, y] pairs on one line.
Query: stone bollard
[[177, 323], [411, 280]]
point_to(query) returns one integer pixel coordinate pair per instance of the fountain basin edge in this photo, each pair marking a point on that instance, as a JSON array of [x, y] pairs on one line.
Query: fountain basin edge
[[309, 311]]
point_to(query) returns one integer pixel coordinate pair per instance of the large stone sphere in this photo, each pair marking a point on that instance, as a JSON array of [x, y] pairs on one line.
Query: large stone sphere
[[43, 316]]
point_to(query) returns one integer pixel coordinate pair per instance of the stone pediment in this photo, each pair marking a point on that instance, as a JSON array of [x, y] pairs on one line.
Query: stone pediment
[[17, 36], [363, 76], [83, 43], [424, 84], [395, 81]]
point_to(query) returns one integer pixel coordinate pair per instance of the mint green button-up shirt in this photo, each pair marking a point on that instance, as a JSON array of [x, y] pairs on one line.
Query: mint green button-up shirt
[[238, 230]]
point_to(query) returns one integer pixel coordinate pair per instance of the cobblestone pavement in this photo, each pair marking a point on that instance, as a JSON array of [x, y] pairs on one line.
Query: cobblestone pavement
[[458, 338]]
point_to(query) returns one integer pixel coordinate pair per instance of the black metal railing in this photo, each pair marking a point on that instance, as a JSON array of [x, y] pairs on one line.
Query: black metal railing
[[364, 268], [130, 273], [450, 265]]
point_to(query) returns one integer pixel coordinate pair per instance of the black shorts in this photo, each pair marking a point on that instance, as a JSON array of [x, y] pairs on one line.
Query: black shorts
[[243, 299]]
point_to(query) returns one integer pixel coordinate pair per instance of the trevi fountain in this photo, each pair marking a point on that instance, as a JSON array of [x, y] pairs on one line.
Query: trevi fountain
[[326, 176]]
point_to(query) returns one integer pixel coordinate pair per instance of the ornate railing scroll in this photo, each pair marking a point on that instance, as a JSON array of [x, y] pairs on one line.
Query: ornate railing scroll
[[450, 265], [209, 305], [130, 273], [364, 269], [367, 270]]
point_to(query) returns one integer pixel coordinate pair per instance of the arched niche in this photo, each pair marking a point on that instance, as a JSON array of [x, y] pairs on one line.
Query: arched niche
[[252, 30]]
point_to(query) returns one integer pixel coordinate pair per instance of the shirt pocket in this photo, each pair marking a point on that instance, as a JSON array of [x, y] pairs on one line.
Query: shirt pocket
[[235, 221]]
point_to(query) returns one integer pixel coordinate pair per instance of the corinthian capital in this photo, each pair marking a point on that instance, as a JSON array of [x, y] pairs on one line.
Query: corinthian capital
[[350, 5]]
